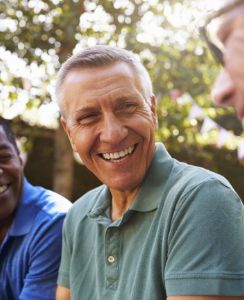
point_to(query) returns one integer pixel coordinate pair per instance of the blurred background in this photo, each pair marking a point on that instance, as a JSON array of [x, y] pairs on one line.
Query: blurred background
[[36, 36]]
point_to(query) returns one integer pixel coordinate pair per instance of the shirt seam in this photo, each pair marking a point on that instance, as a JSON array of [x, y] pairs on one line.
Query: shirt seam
[[234, 276], [186, 194]]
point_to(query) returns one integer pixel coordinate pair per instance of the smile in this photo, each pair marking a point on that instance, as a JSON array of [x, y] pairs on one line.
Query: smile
[[3, 188], [116, 156]]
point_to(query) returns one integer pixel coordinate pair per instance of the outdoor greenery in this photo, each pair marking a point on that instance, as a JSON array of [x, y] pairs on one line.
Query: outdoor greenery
[[36, 36]]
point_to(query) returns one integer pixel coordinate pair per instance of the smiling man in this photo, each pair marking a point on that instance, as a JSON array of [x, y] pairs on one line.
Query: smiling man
[[156, 228], [30, 229]]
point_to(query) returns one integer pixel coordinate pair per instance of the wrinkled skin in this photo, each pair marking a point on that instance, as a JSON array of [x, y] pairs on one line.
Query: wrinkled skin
[[105, 116], [229, 88]]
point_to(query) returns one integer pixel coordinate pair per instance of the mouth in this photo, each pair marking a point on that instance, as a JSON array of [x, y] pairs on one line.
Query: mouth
[[119, 156], [3, 188]]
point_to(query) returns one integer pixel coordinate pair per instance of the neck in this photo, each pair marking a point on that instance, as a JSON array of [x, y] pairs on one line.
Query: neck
[[4, 227], [121, 201]]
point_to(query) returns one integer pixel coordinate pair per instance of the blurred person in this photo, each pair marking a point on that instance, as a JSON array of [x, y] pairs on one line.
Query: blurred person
[[31, 219], [224, 33], [157, 228]]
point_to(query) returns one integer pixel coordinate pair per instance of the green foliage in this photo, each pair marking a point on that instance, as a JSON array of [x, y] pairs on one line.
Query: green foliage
[[54, 28], [163, 33]]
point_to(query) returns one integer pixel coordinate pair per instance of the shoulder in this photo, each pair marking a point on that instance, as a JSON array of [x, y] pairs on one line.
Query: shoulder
[[44, 202], [197, 190], [44, 212], [188, 177], [202, 201], [200, 191], [53, 203]]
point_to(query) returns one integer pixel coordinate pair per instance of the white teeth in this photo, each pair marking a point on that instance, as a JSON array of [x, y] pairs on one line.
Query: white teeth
[[122, 153], [118, 155], [3, 188]]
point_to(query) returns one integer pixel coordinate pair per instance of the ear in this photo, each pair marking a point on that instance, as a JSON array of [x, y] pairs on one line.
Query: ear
[[68, 132], [154, 110]]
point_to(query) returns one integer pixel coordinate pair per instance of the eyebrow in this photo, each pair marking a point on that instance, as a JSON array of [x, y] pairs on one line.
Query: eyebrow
[[125, 98], [90, 107], [85, 109]]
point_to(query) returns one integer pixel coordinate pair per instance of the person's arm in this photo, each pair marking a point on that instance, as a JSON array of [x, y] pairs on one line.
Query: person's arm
[[205, 244], [62, 293], [202, 298], [45, 252]]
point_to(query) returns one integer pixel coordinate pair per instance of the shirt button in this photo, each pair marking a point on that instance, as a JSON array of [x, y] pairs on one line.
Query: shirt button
[[111, 259]]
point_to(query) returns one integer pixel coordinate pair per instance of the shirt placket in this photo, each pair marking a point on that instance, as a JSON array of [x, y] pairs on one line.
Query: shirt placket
[[112, 257]]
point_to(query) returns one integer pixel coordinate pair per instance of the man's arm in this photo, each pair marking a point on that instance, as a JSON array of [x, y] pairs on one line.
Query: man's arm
[[205, 245], [63, 293], [45, 253], [203, 298]]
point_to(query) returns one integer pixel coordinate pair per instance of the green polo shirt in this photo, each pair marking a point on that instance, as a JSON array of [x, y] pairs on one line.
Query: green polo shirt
[[183, 235]]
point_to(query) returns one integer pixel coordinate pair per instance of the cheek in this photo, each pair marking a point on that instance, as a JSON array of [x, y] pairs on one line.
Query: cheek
[[77, 140], [150, 121], [145, 127], [83, 141]]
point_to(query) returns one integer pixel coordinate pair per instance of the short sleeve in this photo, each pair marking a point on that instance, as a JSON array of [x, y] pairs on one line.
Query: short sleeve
[[44, 259], [206, 243]]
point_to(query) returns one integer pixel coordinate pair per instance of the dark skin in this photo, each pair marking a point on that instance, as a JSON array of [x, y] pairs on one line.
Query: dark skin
[[4, 227], [11, 182]]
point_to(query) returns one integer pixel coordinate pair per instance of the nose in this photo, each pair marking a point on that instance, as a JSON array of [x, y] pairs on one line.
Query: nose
[[223, 92], [113, 130]]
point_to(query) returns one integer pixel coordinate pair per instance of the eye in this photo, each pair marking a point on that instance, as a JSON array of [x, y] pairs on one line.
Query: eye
[[88, 118], [127, 107], [5, 157]]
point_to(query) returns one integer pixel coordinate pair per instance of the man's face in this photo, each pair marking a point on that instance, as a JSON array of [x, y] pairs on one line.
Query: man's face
[[11, 177], [110, 124], [229, 88]]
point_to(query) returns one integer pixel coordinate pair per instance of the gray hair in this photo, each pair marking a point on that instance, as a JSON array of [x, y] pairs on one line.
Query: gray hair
[[99, 56]]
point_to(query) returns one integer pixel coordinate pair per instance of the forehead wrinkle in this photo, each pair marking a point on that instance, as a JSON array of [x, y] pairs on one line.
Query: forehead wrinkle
[[103, 87], [91, 87], [114, 100], [114, 93], [83, 76]]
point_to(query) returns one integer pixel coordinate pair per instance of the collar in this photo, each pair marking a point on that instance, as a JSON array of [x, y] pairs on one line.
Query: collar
[[154, 183], [26, 211], [151, 189], [102, 204]]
